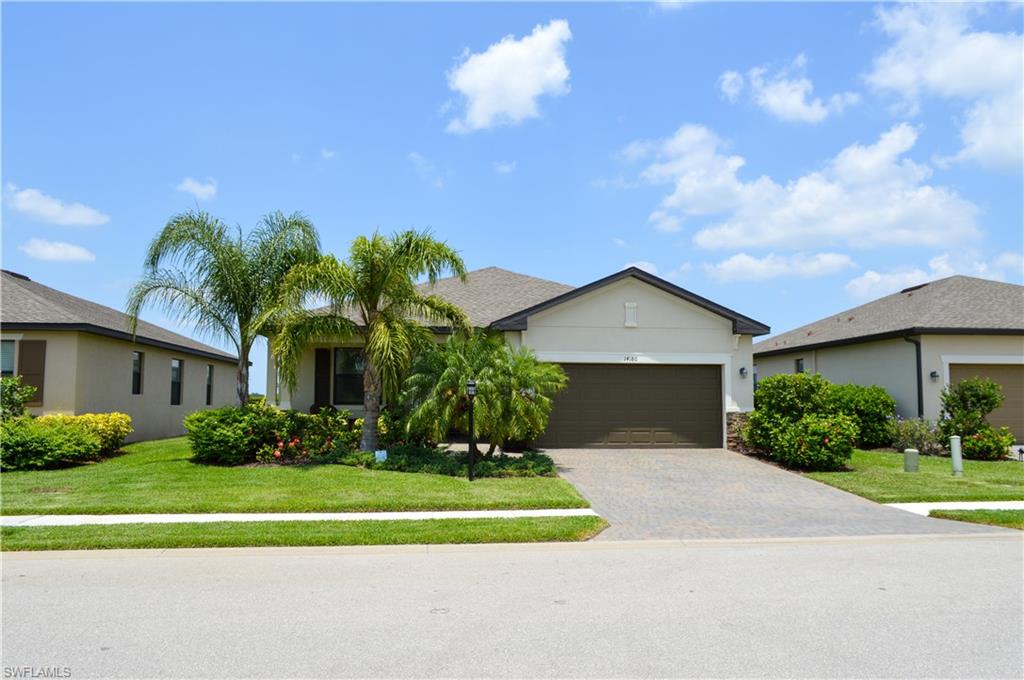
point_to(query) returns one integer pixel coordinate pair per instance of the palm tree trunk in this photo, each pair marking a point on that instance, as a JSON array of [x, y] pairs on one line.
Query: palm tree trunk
[[371, 406], [243, 379]]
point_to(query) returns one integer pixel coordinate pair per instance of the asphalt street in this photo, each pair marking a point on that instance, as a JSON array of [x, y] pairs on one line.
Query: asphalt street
[[881, 606]]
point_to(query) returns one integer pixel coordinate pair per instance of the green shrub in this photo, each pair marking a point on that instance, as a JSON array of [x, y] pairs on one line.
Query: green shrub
[[13, 396], [110, 428], [965, 408], [915, 433], [34, 443], [818, 442], [763, 431], [231, 435], [792, 396], [438, 461], [988, 443], [871, 407]]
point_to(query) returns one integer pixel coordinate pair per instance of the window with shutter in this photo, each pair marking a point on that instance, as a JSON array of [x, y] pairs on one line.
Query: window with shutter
[[32, 367]]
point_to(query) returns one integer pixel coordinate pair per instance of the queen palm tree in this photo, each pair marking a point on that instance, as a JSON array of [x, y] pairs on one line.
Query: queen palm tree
[[373, 296], [224, 284]]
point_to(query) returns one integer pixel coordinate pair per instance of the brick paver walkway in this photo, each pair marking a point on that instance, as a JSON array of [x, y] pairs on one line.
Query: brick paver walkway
[[714, 493]]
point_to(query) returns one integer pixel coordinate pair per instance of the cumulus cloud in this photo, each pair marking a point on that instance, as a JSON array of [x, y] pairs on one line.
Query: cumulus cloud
[[743, 267], [648, 267], [328, 154], [787, 94], [872, 284], [504, 167], [44, 208], [202, 191], [867, 195], [502, 85], [55, 251], [936, 52], [426, 170]]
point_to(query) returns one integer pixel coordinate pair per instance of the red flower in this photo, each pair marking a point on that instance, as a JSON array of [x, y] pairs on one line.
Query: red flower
[[277, 454]]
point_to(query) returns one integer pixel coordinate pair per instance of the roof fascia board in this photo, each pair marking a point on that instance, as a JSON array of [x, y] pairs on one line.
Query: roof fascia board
[[889, 335]]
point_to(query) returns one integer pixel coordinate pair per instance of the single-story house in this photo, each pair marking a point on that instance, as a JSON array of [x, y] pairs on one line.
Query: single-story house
[[649, 363], [914, 343], [80, 357]]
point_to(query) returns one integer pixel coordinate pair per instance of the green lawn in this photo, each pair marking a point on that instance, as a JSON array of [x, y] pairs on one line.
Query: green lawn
[[158, 477], [1012, 519], [879, 476], [239, 534]]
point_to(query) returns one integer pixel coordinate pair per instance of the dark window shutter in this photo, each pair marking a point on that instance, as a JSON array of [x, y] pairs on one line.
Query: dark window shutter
[[32, 367], [322, 380]]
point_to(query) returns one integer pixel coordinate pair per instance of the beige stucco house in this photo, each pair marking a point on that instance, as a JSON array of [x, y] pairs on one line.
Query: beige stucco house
[[80, 357], [649, 363], [916, 342]]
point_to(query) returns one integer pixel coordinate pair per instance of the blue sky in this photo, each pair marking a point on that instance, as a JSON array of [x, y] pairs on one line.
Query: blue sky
[[786, 160]]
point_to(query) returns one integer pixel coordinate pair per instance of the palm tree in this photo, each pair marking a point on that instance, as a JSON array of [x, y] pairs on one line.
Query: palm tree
[[373, 296], [224, 284], [514, 389]]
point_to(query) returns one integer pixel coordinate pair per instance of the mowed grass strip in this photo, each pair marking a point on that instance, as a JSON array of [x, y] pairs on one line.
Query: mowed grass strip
[[1011, 519], [299, 533], [879, 476], [158, 477]]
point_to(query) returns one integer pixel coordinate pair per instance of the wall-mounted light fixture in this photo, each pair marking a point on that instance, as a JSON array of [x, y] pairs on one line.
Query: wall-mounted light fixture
[[743, 371], [934, 375]]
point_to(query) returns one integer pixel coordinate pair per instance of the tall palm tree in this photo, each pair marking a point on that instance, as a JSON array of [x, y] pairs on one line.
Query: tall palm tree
[[373, 296], [222, 283]]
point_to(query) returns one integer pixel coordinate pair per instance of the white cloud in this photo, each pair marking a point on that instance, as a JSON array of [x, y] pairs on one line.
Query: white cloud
[[328, 154], [39, 206], [680, 272], [201, 191], [873, 284], [936, 52], [426, 170], [296, 157], [502, 84], [731, 84], [743, 267], [621, 243], [55, 251], [648, 267], [504, 167], [787, 94], [868, 195]]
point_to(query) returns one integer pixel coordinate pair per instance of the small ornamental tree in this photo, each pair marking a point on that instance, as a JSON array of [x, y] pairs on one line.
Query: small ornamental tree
[[965, 409]]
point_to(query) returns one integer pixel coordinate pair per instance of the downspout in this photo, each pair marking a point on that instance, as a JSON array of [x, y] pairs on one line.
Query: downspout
[[920, 381]]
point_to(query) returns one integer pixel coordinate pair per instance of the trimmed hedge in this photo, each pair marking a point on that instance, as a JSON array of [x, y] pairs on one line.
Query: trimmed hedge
[[35, 443], [110, 428], [779, 427]]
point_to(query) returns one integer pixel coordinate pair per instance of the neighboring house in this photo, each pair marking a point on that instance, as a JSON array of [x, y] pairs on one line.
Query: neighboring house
[[81, 359], [916, 342], [649, 363]]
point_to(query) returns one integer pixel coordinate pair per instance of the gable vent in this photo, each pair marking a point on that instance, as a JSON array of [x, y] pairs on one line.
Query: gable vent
[[630, 315]]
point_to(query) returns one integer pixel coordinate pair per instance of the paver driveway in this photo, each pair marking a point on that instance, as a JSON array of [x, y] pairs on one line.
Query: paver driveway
[[714, 493]]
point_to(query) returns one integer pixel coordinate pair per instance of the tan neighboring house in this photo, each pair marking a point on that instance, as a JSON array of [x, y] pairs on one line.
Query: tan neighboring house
[[649, 363], [80, 358], [916, 342]]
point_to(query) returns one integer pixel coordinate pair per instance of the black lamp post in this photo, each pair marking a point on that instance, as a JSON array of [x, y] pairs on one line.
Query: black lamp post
[[471, 393]]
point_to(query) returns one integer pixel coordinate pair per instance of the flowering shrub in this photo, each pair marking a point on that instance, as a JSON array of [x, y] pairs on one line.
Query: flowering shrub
[[915, 433], [110, 428], [817, 442], [988, 443]]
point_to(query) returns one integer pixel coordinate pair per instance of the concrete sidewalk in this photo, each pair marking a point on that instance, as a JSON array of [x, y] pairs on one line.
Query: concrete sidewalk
[[925, 508], [80, 520]]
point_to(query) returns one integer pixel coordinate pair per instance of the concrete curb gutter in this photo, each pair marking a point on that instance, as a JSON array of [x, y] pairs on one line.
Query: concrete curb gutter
[[181, 518], [356, 550], [925, 508]]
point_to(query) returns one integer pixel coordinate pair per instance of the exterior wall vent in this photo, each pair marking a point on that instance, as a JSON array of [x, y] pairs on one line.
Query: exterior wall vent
[[630, 315]]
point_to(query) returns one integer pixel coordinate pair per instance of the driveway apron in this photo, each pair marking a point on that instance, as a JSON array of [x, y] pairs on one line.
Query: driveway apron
[[715, 493]]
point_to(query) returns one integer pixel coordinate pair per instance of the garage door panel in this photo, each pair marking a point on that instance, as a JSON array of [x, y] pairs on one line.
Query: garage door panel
[[637, 406], [1011, 378]]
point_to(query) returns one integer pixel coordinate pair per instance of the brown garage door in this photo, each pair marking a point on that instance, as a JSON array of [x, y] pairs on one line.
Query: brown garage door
[[1011, 377], [610, 405]]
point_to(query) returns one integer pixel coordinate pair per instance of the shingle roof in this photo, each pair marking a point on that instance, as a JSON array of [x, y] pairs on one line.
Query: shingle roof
[[26, 304], [955, 304], [493, 293], [487, 294]]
